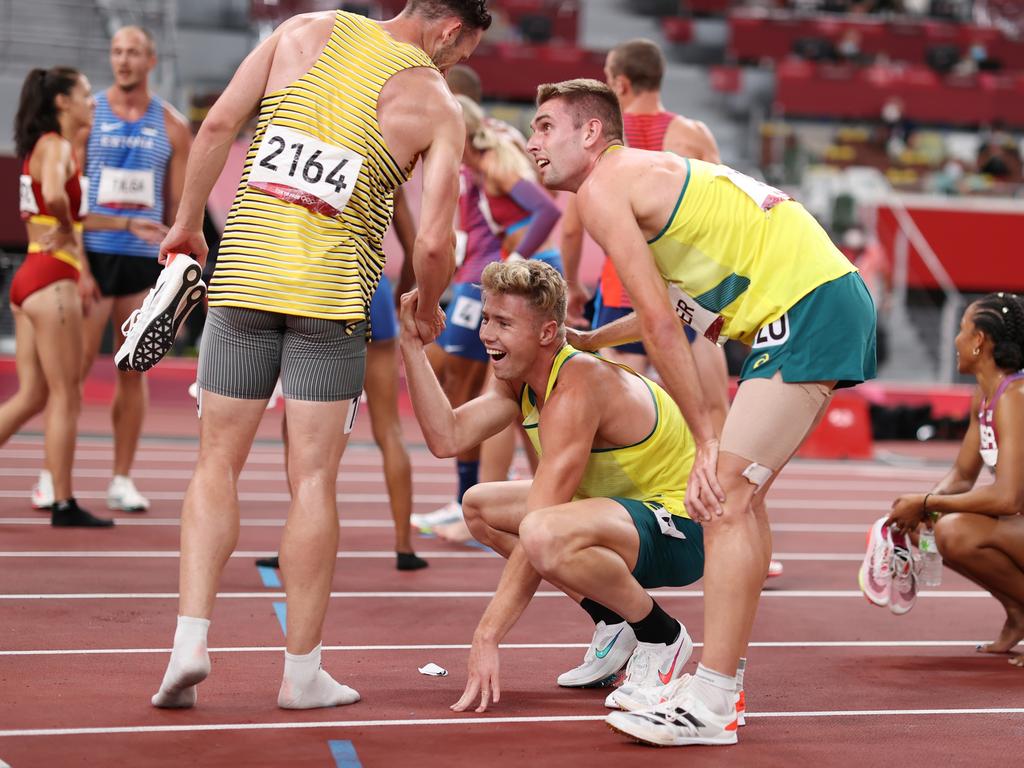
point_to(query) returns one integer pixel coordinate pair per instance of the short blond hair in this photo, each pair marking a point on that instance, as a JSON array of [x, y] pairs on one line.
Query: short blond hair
[[537, 282], [587, 99]]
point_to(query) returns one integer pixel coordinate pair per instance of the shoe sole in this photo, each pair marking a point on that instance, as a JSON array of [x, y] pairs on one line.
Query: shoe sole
[[158, 337], [881, 602], [730, 738], [604, 682]]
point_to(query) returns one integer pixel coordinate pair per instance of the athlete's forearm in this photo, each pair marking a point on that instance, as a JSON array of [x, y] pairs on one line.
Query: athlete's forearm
[[625, 330], [433, 263], [429, 402], [205, 163], [519, 582], [669, 350]]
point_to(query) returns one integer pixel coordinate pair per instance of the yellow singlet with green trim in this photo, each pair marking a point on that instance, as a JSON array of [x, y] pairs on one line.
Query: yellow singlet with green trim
[[742, 250], [654, 470], [304, 235]]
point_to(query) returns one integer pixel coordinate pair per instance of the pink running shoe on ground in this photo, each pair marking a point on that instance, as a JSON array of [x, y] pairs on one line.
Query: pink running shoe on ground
[[875, 577], [904, 580]]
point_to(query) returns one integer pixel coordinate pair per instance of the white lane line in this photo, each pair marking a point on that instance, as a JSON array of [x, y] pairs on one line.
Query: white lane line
[[381, 555], [463, 721], [278, 522], [281, 497], [661, 593], [470, 554], [504, 646]]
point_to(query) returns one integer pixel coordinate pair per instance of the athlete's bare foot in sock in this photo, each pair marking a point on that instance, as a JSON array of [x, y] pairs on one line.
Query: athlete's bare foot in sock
[[306, 686], [1011, 634], [189, 665]]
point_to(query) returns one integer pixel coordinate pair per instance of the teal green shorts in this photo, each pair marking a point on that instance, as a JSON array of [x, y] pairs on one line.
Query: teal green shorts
[[829, 335], [665, 561]]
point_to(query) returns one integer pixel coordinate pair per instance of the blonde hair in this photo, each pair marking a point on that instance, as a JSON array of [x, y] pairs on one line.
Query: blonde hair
[[537, 282], [509, 159]]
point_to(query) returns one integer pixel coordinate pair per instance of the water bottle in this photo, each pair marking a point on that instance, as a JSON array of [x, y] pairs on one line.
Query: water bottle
[[930, 567]]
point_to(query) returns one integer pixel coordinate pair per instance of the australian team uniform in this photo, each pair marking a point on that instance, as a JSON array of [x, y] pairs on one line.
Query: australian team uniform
[[648, 478], [302, 250], [642, 131], [743, 261], [126, 163], [42, 267]]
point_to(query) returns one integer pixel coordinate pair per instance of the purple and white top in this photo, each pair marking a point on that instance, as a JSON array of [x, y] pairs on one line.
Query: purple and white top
[[987, 422]]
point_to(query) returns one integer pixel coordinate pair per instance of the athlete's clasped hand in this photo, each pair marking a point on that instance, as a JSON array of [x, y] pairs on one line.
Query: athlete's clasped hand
[[413, 324]]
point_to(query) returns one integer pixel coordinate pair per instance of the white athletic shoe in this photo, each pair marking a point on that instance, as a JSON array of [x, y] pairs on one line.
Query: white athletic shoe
[[609, 650], [149, 331], [449, 513], [648, 698], [123, 496], [652, 666], [681, 720], [42, 491]]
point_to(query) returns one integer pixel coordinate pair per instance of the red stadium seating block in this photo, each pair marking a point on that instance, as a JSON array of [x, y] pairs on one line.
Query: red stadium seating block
[[844, 431]]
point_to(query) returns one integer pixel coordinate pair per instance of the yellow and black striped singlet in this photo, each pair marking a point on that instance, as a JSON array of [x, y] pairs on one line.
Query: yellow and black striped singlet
[[304, 235]]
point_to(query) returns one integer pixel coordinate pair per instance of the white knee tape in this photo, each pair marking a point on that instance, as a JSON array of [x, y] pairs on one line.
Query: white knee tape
[[757, 474]]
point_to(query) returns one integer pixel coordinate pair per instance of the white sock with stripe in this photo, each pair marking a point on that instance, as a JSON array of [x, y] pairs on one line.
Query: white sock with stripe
[[189, 665], [306, 686]]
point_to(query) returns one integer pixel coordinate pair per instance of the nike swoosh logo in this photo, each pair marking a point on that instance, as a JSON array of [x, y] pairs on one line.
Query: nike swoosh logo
[[667, 678], [109, 126], [602, 652]]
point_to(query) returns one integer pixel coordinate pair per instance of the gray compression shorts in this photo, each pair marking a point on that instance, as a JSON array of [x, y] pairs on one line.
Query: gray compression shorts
[[244, 351]]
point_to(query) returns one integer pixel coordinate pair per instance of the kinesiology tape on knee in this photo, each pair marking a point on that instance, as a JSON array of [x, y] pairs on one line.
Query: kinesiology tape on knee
[[758, 474]]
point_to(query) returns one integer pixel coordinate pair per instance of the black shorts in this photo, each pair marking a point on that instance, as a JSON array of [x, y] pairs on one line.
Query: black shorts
[[123, 275]]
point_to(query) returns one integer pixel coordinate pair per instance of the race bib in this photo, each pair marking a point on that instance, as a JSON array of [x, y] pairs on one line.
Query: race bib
[[703, 321], [773, 334], [26, 199], [467, 313], [83, 206], [126, 188], [765, 196], [303, 170], [461, 242]]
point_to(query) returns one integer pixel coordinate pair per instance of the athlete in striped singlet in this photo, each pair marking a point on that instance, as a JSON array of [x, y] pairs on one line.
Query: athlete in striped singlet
[[733, 258], [603, 518], [979, 529], [135, 163], [346, 107]]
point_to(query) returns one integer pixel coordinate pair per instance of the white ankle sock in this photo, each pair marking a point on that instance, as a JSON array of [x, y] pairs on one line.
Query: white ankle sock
[[715, 690], [306, 686], [739, 674], [189, 665]]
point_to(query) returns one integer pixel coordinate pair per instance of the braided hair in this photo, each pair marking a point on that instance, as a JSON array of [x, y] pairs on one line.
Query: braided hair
[[1000, 316]]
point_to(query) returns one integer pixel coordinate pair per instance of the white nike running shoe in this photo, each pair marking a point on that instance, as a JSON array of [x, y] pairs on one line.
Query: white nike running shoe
[[652, 666], [123, 496], [449, 513], [149, 331], [609, 650], [42, 491]]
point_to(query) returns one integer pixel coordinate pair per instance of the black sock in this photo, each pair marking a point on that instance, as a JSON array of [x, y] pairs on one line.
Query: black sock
[[67, 514], [656, 627], [599, 613], [469, 474]]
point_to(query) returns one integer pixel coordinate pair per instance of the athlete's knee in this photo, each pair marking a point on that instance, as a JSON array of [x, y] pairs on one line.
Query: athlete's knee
[[544, 541], [954, 538]]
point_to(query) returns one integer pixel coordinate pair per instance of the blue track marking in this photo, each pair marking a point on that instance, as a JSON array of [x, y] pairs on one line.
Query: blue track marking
[[282, 616], [344, 754], [269, 576]]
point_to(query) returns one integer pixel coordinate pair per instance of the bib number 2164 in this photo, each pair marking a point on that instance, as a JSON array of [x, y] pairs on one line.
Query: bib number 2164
[[302, 169]]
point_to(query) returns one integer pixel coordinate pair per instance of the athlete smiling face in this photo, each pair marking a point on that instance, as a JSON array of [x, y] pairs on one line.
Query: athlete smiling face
[[514, 334]]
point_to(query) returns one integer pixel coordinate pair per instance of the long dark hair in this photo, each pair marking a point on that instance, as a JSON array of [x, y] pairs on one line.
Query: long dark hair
[[1000, 316], [37, 107]]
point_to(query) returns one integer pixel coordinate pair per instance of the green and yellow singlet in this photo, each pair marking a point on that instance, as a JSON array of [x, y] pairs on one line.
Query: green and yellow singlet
[[304, 235], [654, 470], [742, 250]]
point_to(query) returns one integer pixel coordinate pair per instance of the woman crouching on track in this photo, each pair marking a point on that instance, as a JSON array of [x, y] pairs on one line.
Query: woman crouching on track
[[979, 530], [53, 287]]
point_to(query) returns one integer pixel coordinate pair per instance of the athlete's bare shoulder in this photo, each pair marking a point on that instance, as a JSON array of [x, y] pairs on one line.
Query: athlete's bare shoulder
[[414, 108], [297, 44], [691, 138]]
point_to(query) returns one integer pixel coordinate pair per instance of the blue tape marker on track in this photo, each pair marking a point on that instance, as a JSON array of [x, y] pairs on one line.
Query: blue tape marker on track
[[269, 576], [344, 754], [282, 616]]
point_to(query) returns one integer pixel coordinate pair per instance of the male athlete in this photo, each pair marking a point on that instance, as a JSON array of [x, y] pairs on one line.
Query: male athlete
[[298, 263], [730, 256], [603, 518], [135, 163]]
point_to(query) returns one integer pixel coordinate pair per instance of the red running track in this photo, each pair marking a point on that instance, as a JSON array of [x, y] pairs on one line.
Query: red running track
[[89, 615]]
